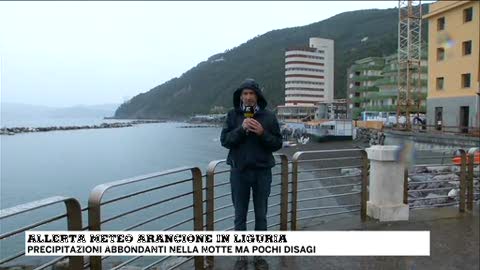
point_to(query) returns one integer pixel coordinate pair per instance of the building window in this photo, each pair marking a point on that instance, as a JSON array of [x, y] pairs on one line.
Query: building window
[[441, 24], [467, 14], [466, 80], [467, 47], [440, 54], [440, 83]]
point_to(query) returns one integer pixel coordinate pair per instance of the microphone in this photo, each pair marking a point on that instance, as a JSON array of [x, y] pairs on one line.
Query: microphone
[[248, 112]]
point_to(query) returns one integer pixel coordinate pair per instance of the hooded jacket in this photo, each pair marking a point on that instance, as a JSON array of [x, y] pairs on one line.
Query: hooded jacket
[[248, 150]]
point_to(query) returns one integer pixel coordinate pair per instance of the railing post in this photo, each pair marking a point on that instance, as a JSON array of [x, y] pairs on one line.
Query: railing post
[[405, 186], [210, 213], [95, 201], [74, 223], [471, 164], [94, 222], [284, 194], [386, 184], [197, 210], [463, 164], [364, 196], [293, 224]]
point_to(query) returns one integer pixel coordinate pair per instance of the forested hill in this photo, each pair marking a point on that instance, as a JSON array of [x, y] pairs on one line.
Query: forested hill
[[211, 83]]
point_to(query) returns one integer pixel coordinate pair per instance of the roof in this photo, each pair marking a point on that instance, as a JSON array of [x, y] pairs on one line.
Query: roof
[[440, 7]]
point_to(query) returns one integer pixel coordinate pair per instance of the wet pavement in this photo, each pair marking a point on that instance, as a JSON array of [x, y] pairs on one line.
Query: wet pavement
[[454, 244]]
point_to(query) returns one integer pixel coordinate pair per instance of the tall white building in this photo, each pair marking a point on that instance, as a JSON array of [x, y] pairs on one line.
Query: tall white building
[[308, 78]]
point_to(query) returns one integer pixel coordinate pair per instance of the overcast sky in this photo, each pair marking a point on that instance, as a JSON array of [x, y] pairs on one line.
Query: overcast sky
[[71, 53]]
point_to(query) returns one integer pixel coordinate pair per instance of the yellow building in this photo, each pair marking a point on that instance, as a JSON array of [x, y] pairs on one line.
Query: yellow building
[[453, 64]]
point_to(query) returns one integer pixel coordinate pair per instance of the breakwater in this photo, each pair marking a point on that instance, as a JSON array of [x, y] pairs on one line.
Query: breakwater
[[17, 130], [200, 126]]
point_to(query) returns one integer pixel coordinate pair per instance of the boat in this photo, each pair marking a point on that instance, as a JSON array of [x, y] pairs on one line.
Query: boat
[[458, 160], [331, 130]]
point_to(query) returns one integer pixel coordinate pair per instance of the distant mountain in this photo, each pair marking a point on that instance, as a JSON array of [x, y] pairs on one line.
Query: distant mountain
[[27, 111], [23, 111], [83, 111], [210, 84]]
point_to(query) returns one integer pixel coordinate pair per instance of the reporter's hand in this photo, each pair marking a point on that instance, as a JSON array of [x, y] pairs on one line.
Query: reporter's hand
[[256, 127], [245, 124]]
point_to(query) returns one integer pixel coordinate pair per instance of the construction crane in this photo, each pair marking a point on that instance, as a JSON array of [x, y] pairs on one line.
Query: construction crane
[[409, 58]]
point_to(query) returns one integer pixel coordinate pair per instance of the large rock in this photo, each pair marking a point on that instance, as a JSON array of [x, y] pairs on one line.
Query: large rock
[[415, 195], [435, 199], [455, 184], [453, 193], [420, 169], [417, 186], [445, 177], [438, 169], [421, 177], [416, 182], [455, 169], [351, 172], [419, 203], [476, 171]]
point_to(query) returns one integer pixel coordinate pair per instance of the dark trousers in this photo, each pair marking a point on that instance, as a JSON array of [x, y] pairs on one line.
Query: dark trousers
[[242, 181]]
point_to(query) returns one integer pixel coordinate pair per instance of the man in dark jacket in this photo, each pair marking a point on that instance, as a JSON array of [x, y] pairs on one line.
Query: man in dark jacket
[[251, 141]]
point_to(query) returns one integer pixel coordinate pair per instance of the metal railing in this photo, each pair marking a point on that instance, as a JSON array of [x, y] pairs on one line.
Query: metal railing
[[74, 223], [453, 130], [212, 185], [324, 175], [95, 204], [297, 160], [441, 165]]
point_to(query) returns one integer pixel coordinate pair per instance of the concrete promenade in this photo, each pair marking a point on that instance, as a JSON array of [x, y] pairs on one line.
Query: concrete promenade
[[454, 244]]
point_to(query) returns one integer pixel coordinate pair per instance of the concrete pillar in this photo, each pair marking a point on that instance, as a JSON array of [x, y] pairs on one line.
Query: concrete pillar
[[386, 184]]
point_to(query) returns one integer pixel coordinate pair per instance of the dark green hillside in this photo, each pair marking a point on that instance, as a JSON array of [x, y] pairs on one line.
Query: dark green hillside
[[211, 82]]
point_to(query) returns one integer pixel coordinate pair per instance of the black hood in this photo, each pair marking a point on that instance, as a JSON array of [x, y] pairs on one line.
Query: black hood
[[250, 84]]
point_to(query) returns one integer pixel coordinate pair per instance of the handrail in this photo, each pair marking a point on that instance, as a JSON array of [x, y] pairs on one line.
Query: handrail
[[210, 196], [295, 171], [74, 221], [464, 179], [74, 212], [96, 195]]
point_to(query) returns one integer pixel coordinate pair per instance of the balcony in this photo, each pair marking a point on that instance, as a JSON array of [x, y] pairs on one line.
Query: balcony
[[367, 89], [366, 78]]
